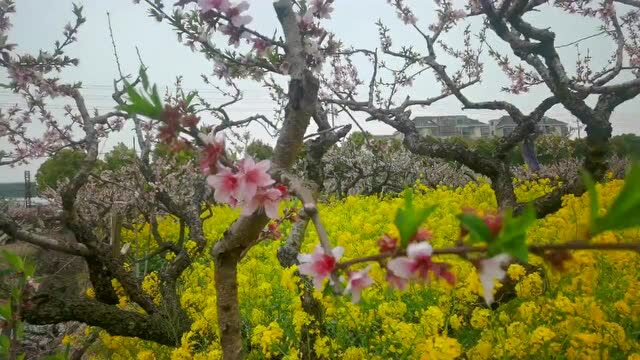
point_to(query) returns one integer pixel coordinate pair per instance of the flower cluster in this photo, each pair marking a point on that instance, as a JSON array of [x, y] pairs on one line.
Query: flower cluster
[[233, 12], [417, 264], [173, 119], [249, 187], [212, 150], [321, 8], [319, 265], [403, 12]]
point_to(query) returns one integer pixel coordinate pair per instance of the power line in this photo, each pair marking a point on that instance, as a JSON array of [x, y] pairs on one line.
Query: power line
[[109, 89]]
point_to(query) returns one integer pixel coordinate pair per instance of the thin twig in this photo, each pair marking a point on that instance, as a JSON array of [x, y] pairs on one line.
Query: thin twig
[[140, 58], [581, 39], [463, 250], [311, 210], [113, 43], [323, 131]]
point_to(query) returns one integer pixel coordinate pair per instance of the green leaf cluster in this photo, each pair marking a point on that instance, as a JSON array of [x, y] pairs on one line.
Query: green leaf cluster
[[625, 210], [409, 218], [512, 238], [24, 270], [147, 103]]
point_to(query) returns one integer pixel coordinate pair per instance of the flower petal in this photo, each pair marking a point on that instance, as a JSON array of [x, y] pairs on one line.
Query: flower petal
[[271, 209], [250, 207], [263, 165], [241, 20], [337, 252], [490, 270], [304, 258], [402, 267], [307, 269], [396, 281], [421, 249]]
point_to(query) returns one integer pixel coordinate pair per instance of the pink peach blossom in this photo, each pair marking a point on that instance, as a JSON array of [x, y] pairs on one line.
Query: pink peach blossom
[[261, 46], [417, 262], [319, 265], [321, 9], [396, 281], [219, 5], [235, 34], [269, 199], [213, 148], [358, 280], [305, 21], [226, 185], [235, 14], [387, 244], [251, 176]]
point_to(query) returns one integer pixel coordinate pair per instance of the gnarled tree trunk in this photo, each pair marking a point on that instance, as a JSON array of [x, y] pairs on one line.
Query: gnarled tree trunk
[[529, 153]]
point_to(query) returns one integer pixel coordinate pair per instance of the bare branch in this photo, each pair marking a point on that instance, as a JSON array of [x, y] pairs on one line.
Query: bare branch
[[12, 229]]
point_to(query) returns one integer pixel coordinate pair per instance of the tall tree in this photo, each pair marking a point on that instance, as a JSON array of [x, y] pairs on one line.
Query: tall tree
[[64, 165]]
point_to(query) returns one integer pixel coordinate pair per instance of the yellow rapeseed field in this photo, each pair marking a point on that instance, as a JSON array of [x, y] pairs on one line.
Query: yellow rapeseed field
[[589, 311]]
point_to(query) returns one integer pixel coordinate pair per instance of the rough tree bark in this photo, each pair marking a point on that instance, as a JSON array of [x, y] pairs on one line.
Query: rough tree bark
[[529, 153], [53, 308]]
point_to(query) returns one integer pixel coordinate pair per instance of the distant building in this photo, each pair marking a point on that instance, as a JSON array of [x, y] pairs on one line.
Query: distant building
[[385, 137], [462, 126], [452, 125], [505, 126]]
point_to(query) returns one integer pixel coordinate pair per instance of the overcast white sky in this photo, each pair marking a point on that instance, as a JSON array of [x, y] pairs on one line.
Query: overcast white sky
[[39, 23]]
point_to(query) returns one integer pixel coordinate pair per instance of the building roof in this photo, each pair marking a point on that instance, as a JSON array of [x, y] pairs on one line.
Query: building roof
[[551, 121], [385, 136], [436, 121], [424, 121], [508, 121]]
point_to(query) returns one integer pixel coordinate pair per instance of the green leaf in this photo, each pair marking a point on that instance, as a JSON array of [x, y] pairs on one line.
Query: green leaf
[[140, 104], [623, 214], [5, 311], [593, 195], [57, 356], [408, 219], [4, 344], [513, 236], [29, 268], [6, 272], [190, 97], [137, 101], [15, 293], [478, 230], [144, 78], [19, 326], [403, 217], [14, 260], [156, 98]]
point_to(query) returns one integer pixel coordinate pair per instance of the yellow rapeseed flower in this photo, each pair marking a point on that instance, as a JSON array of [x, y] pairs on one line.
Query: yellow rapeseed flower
[[480, 318], [530, 286], [439, 348], [516, 271]]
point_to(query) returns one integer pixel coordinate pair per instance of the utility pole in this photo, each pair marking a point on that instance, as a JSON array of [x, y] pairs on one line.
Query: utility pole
[[578, 127], [114, 232], [333, 116], [27, 189]]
